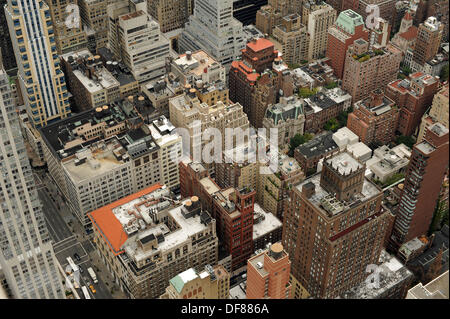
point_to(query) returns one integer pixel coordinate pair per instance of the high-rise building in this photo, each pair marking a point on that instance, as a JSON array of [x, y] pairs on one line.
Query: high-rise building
[[270, 15], [137, 40], [213, 29], [6, 48], [367, 70], [268, 274], [42, 82], [170, 14], [413, 96], [294, 38], [438, 112], [334, 227], [433, 8], [68, 38], [210, 283], [427, 44], [374, 119], [27, 259], [318, 17], [349, 26], [94, 17], [422, 186]]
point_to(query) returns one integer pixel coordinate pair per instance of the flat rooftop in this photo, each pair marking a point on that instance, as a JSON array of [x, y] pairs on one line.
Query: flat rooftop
[[197, 63], [344, 163], [268, 222], [320, 144]]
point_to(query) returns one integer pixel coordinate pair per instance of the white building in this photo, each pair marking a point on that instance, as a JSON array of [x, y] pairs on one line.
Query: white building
[[387, 162], [213, 29]]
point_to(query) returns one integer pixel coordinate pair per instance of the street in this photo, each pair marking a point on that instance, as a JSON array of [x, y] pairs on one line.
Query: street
[[69, 239]]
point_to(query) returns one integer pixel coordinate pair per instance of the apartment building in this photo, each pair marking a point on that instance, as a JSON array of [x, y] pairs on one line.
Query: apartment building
[[294, 39], [389, 161], [318, 16], [413, 96], [170, 14], [271, 14], [374, 119], [438, 112], [210, 283], [146, 239], [268, 274], [367, 70], [94, 16], [334, 227]]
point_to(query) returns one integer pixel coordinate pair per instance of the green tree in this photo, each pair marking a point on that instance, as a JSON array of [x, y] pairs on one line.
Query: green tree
[[331, 85], [407, 140], [332, 125], [305, 92], [298, 140], [393, 179]]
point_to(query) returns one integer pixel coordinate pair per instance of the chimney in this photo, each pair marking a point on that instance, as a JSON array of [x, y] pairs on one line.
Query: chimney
[[189, 55], [309, 189]]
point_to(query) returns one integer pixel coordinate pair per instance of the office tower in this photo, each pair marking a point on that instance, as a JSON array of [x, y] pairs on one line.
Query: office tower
[[170, 14], [67, 38], [424, 176], [349, 26], [374, 119], [213, 29], [413, 96], [438, 112], [268, 274], [294, 39], [41, 80], [145, 240], [6, 48], [367, 70], [428, 40], [210, 283], [27, 259], [94, 17], [334, 227], [318, 17], [137, 40]]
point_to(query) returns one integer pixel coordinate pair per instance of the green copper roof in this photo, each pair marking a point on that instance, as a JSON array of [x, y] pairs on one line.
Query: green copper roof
[[348, 20], [177, 283], [180, 280]]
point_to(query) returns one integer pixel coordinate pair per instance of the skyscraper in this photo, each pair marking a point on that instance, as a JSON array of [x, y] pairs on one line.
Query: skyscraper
[[27, 259], [6, 50], [426, 170], [41, 80]]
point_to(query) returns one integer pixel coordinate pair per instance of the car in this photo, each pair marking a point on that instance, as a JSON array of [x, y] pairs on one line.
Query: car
[[92, 289], [77, 257]]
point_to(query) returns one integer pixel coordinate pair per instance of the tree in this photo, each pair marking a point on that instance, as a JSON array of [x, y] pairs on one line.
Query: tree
[[407, 140], [298, 140], [331, 85], [444, 73], [305, 92], [332, 125]]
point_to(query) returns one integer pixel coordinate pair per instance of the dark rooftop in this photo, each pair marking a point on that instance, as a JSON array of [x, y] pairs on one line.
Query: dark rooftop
[[321, 144]]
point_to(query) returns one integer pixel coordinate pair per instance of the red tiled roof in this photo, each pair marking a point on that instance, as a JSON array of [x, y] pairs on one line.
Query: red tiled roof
[[410, 34], [260, 44], [109, 226]]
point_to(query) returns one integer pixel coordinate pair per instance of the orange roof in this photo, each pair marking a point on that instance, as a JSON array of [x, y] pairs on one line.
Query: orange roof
[[109, 226], [407, 16], [410, 34], [260, 44]]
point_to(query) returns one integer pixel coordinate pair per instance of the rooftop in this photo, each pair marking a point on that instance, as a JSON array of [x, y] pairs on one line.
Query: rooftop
[[436, 289], [320, 144], [288, 108], [259, 44], [344, 163], [264, 222], [196, 63]]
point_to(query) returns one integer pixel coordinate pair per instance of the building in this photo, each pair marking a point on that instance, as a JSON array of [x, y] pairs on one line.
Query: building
[[309, 154], [41, 80], [256, 79], [324, 106], [245, 10], [344, 137], [267, 228], [211, 283], [294, 38], [287, 117], [90, 83], [427, 44], [413, 96], [333, 230], [360, 151], [407, 34], [437, 113], [374, 119], [147, 61], [348, 27], [88, 152], [386, 7], [433, 8], [428, 164], [94, 17], [268, 274], [318, 16], [27, 260], [67, 38], [367, 70], [146, 239], [389, 161], [394, 281], [6, 49], [213, 29], [170, 14], [436, 289], [271, 14]]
